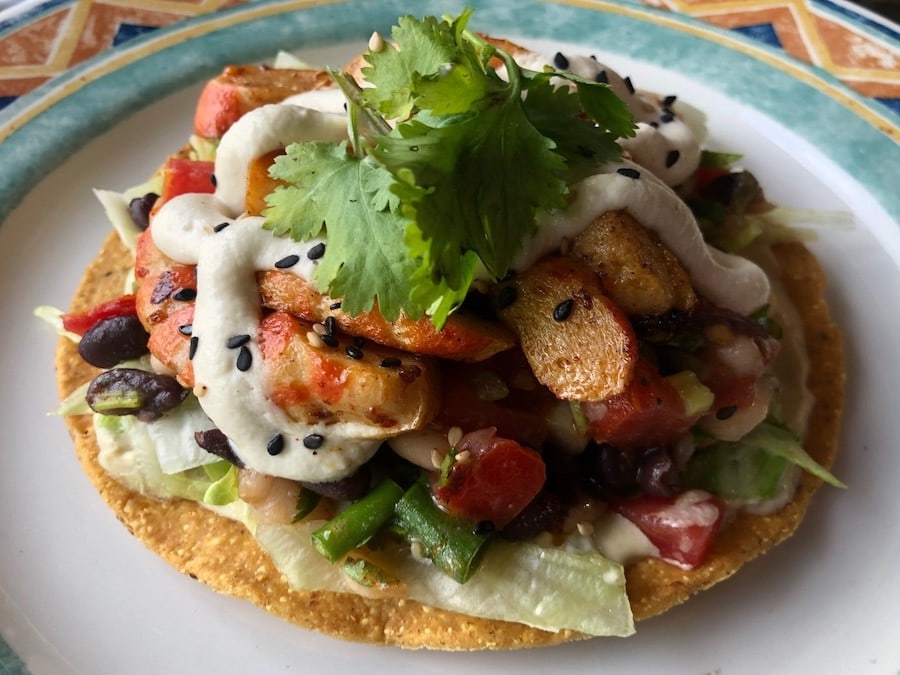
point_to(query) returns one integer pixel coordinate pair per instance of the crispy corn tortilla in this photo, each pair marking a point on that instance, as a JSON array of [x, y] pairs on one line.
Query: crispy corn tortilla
[[222, 554]]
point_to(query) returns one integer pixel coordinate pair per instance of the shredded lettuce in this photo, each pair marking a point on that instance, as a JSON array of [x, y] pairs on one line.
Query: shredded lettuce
[[173, 437], [548, 588], [54, 316], [785, 443], [224, 488]]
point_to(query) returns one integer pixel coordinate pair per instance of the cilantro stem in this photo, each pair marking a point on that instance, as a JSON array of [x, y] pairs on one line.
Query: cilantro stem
[[352, 91], [514, 73]]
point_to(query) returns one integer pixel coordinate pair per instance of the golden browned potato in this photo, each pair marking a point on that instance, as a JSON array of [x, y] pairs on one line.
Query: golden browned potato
[[579, 343], [636, 270]]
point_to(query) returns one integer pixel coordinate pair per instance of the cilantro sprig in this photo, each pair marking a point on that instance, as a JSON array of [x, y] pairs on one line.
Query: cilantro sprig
[[412, 211]]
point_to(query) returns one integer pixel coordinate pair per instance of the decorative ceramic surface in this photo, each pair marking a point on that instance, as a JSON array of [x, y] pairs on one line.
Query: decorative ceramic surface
[[71, 70], [52, 36]]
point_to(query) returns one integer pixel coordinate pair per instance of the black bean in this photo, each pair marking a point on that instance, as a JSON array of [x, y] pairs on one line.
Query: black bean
[[609, 471], [215, 442], [129, 391], [139, 209], [352, 487], [657, 474], [111, 341], [544, 513]]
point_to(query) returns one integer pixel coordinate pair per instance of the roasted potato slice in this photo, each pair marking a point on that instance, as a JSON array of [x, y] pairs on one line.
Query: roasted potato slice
[[636, 270], [579, 344]]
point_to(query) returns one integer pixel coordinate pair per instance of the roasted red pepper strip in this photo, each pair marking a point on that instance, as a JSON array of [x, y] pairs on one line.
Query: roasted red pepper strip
[[81, 322]]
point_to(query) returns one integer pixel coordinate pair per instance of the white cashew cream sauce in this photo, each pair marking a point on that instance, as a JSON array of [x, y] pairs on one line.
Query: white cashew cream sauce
[[228, 248]]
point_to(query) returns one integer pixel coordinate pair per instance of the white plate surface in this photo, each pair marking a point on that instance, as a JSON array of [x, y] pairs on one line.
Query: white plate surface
[[80, 595]]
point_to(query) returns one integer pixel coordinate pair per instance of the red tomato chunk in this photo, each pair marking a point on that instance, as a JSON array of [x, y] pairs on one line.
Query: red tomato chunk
[[493, 478], [185, 176], [683, 528]]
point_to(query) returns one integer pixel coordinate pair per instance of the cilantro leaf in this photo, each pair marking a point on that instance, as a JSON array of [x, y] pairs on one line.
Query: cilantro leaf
[[366, 258], [425, 47], [412, 213]]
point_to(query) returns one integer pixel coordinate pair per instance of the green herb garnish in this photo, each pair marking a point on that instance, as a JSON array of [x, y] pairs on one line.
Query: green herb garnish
[[412, 212]]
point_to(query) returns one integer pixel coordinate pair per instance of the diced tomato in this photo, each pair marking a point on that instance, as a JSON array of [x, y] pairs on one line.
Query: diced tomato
[[494, 481], [683, 528], [183, 176], [80, 323], [648, 413]]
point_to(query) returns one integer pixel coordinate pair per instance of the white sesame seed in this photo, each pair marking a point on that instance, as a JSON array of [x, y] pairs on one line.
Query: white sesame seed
[[417, 550], [437, 458], [315, 340], [463, 457], [320, 328], [454, 435], [376, 42], [585, 528]]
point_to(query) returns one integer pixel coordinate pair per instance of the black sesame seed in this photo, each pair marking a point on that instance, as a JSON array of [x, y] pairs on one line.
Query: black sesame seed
[[184, 294], [329, 340], [213, 180], [585, 151], [330, 325], [562, 311], [186, 329], [335, 305], [483, 527], [275, 445], [560, 61], [313, 441], [602, 77], [666, 117], [669, 100], [220, 227], [506, 297], [192, 349], [244, 360], [359, 341], [726, 412], [628, 172], [287, 261], [655, 125], [391, 363], [671, 158], [316, 251], [593, 57], [236, 341], [629, 85], [354, 352]]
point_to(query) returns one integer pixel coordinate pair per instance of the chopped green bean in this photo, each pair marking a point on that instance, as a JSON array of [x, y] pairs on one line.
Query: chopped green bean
[[354, 525], [451, 543]]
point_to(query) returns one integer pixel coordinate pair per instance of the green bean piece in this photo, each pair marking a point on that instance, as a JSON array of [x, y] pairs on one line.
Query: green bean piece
[[354, 525], [451, 543]]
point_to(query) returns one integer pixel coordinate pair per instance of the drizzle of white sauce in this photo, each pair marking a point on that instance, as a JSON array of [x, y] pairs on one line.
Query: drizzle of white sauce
[[228, 303]]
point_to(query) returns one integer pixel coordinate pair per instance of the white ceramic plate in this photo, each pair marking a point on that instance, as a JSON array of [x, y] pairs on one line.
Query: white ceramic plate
[[78, 594]]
